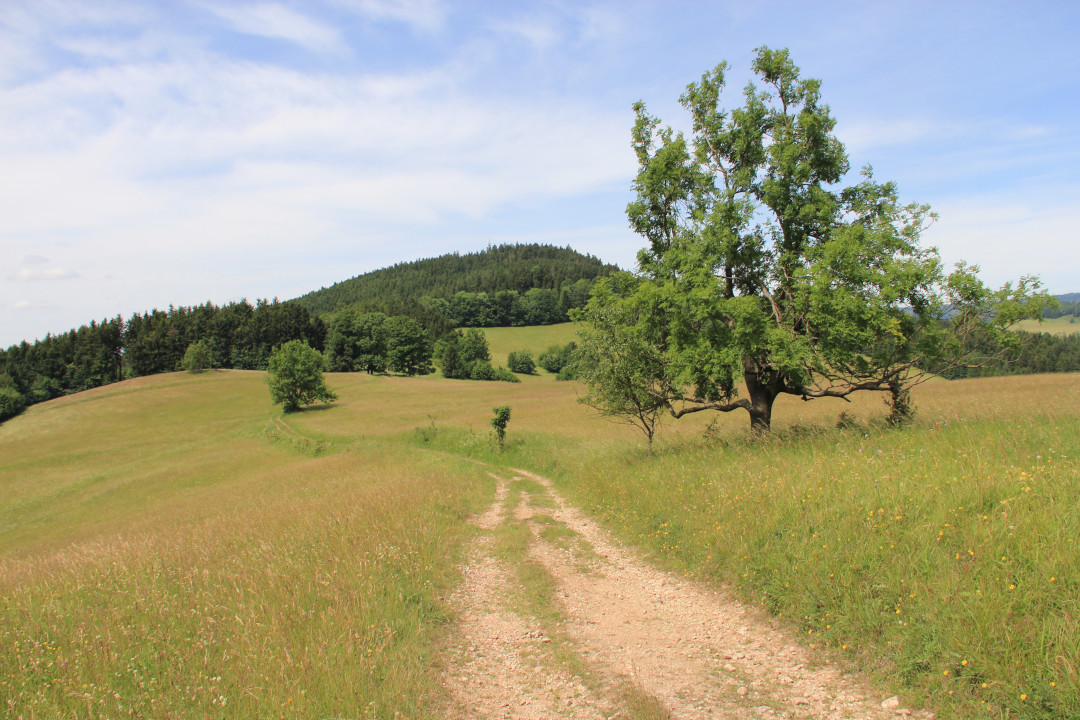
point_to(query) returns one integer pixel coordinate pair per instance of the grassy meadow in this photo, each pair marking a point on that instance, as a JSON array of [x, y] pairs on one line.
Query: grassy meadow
[[173, 547], [1064, 325]]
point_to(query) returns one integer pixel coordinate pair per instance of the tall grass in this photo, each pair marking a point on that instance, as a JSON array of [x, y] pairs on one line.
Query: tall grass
[[944, 556], [281, 585], [169, 549]]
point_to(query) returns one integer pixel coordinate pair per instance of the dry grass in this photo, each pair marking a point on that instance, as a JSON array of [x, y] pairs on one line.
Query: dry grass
[[168, 549]]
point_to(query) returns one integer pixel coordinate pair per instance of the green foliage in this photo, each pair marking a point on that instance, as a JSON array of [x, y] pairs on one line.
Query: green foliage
[[474, 346], [493, 287], [557, 357], [196, 358], [295, 376], [521, 361], [624, 373], [357, 341], [499, 422], [11, 403], [409, 349], [1065, 305], [760, 270], [465, 356]]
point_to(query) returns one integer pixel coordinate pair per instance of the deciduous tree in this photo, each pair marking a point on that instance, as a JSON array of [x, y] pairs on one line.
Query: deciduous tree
[[761, 270], [295, 376]]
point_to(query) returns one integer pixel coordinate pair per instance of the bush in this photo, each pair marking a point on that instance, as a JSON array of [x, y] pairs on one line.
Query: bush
[[521, 361], [11, 403], [481, 370], [557, 357], [499, 422]]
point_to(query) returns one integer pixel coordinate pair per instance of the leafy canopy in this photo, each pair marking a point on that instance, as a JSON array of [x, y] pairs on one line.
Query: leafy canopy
[[295, 376], [760, 270]]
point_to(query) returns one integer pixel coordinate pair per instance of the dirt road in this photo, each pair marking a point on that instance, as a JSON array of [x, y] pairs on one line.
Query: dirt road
[[557, 620]]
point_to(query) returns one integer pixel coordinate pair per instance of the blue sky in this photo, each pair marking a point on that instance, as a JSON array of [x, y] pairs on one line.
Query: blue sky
[[178, 152]]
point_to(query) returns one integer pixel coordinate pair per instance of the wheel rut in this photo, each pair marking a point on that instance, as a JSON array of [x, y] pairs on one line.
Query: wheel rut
[[556, 619]]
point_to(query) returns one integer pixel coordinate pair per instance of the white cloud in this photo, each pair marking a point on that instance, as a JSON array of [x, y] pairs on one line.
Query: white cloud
[[276, 21], [865, 135], [426, 16], [55, 273], [28, 305], [1009, 235]]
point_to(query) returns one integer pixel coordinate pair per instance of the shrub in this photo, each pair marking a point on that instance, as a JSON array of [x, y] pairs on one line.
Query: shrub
[[557, 357], [521, 361], [11, 403], [499, 422]]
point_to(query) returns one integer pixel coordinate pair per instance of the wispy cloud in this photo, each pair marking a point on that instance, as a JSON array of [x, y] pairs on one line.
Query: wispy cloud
[[31, 305], [426, 16], [55, 273], [275, 21]]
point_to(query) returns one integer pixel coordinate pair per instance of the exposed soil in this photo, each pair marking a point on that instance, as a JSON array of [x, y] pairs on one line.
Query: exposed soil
[[604, 634]]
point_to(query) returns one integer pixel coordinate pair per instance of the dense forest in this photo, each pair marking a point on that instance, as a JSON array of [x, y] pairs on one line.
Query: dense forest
[[1033, 353], [237, 335], [500, 286]]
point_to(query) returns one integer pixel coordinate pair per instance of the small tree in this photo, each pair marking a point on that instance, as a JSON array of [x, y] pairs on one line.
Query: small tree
[[474, 346], [295, 376], [196, 357], [625, 375], [521, 361], [499, 422]]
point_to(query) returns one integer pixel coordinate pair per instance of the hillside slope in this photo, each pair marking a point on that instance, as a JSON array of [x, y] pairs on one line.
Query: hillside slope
[[518, 268]]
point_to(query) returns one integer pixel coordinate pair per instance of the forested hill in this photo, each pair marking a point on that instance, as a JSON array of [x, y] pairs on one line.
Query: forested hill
[[1068, 304], [397, 290]]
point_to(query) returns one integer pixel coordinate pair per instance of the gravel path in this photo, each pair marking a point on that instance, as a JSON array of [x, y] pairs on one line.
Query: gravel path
[[618, 638]]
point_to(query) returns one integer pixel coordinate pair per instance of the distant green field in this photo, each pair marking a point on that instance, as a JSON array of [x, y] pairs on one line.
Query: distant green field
[[503, 341], [172, 547], [1066, 325]]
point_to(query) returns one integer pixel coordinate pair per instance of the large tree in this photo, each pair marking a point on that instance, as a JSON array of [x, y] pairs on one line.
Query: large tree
[[762, 270]]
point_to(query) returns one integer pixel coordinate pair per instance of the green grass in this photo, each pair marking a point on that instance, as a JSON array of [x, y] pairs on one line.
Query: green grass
[[1065, 325], [161, 557], [944, 557], [166, 543], [503, 341]]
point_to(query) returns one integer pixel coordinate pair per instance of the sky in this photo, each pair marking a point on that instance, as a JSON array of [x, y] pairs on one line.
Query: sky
[[178, 152]]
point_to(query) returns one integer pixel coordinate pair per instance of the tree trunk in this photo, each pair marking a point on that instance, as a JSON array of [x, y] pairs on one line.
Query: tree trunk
[[762, 396]]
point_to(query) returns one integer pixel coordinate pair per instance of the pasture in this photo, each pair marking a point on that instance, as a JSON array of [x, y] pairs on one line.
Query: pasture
[[170, 548]]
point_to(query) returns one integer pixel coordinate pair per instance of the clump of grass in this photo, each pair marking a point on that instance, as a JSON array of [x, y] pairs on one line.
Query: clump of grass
[[946, 556]]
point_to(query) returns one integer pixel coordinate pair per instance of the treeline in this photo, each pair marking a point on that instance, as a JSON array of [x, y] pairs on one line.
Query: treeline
[[238, 335], [1034, 353], [506, 308], [374, 343], [409, 288], [1067, 305]]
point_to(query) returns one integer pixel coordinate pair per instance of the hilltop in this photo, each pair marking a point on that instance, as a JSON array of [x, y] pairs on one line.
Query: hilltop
[[398, 290]]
